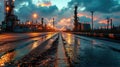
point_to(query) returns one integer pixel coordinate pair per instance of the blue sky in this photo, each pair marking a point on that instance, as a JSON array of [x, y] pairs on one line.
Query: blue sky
[[63, 11]]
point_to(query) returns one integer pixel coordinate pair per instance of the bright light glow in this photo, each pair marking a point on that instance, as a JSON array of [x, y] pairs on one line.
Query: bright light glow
[[7, 8], [29, 22], [35, 15]]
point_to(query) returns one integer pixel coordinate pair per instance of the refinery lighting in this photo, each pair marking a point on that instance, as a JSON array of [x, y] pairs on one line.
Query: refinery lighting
[[35, 15], [7, 8]]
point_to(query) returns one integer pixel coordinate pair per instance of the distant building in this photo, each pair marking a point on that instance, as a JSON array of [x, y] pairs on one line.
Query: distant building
[[84, 27]]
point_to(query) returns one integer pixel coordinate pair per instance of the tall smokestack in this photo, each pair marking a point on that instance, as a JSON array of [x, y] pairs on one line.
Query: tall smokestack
[[53, 22], [9, 7], [42, 21], [111, 23], [108, 21], [92, 17], [75, 19]]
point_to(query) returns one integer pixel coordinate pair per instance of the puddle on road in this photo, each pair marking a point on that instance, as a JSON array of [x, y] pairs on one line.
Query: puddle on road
[[7, 58]]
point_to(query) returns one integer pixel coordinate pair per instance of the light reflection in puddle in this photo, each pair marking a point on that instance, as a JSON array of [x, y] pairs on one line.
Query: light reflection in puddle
[[49, 35], [34, 45], [7, 58], [70, 46]]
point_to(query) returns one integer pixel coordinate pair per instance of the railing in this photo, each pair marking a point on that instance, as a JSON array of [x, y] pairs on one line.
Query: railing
[[103, 35]]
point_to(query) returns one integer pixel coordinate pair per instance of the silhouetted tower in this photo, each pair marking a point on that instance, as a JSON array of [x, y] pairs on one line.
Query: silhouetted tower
[[45, 27], [10, 20], [92, 19], [42, 21], [75, 19], [53, 22], [9, 7], [108, 22], [111, 23]]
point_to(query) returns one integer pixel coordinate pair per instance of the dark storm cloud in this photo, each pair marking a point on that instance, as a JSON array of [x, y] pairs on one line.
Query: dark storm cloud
[[48, 11], [26, 11], [105, 6]]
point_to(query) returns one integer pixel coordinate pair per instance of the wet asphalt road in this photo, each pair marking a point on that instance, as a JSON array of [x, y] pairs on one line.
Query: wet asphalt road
[[19, 46], [83, 51], [90, 52]]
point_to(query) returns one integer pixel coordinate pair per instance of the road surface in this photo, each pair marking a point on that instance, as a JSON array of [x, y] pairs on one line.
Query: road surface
[[90, 52], [15, 47], [53, 49]]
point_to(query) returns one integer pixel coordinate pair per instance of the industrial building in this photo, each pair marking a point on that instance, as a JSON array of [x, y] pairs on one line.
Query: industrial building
[[78, 27], [10, 20], [83, 27]]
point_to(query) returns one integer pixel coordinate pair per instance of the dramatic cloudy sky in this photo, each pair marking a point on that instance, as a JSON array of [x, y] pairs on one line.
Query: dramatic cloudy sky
[[63, 11]]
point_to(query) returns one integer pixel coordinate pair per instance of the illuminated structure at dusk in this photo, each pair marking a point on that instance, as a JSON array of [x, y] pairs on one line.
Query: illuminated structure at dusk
[[10, 19], [53, 33], [12, 24]]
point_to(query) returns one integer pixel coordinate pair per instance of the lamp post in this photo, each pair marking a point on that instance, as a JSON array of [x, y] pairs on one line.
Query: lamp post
[[35, 16]]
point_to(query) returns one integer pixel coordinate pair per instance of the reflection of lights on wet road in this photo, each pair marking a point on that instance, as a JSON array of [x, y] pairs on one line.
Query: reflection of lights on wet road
[[35, 44], [69, 38], [23, 49], [49, 35], [78, 42], [70, 44], [6, 58], [111, 36], [33, 34]]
